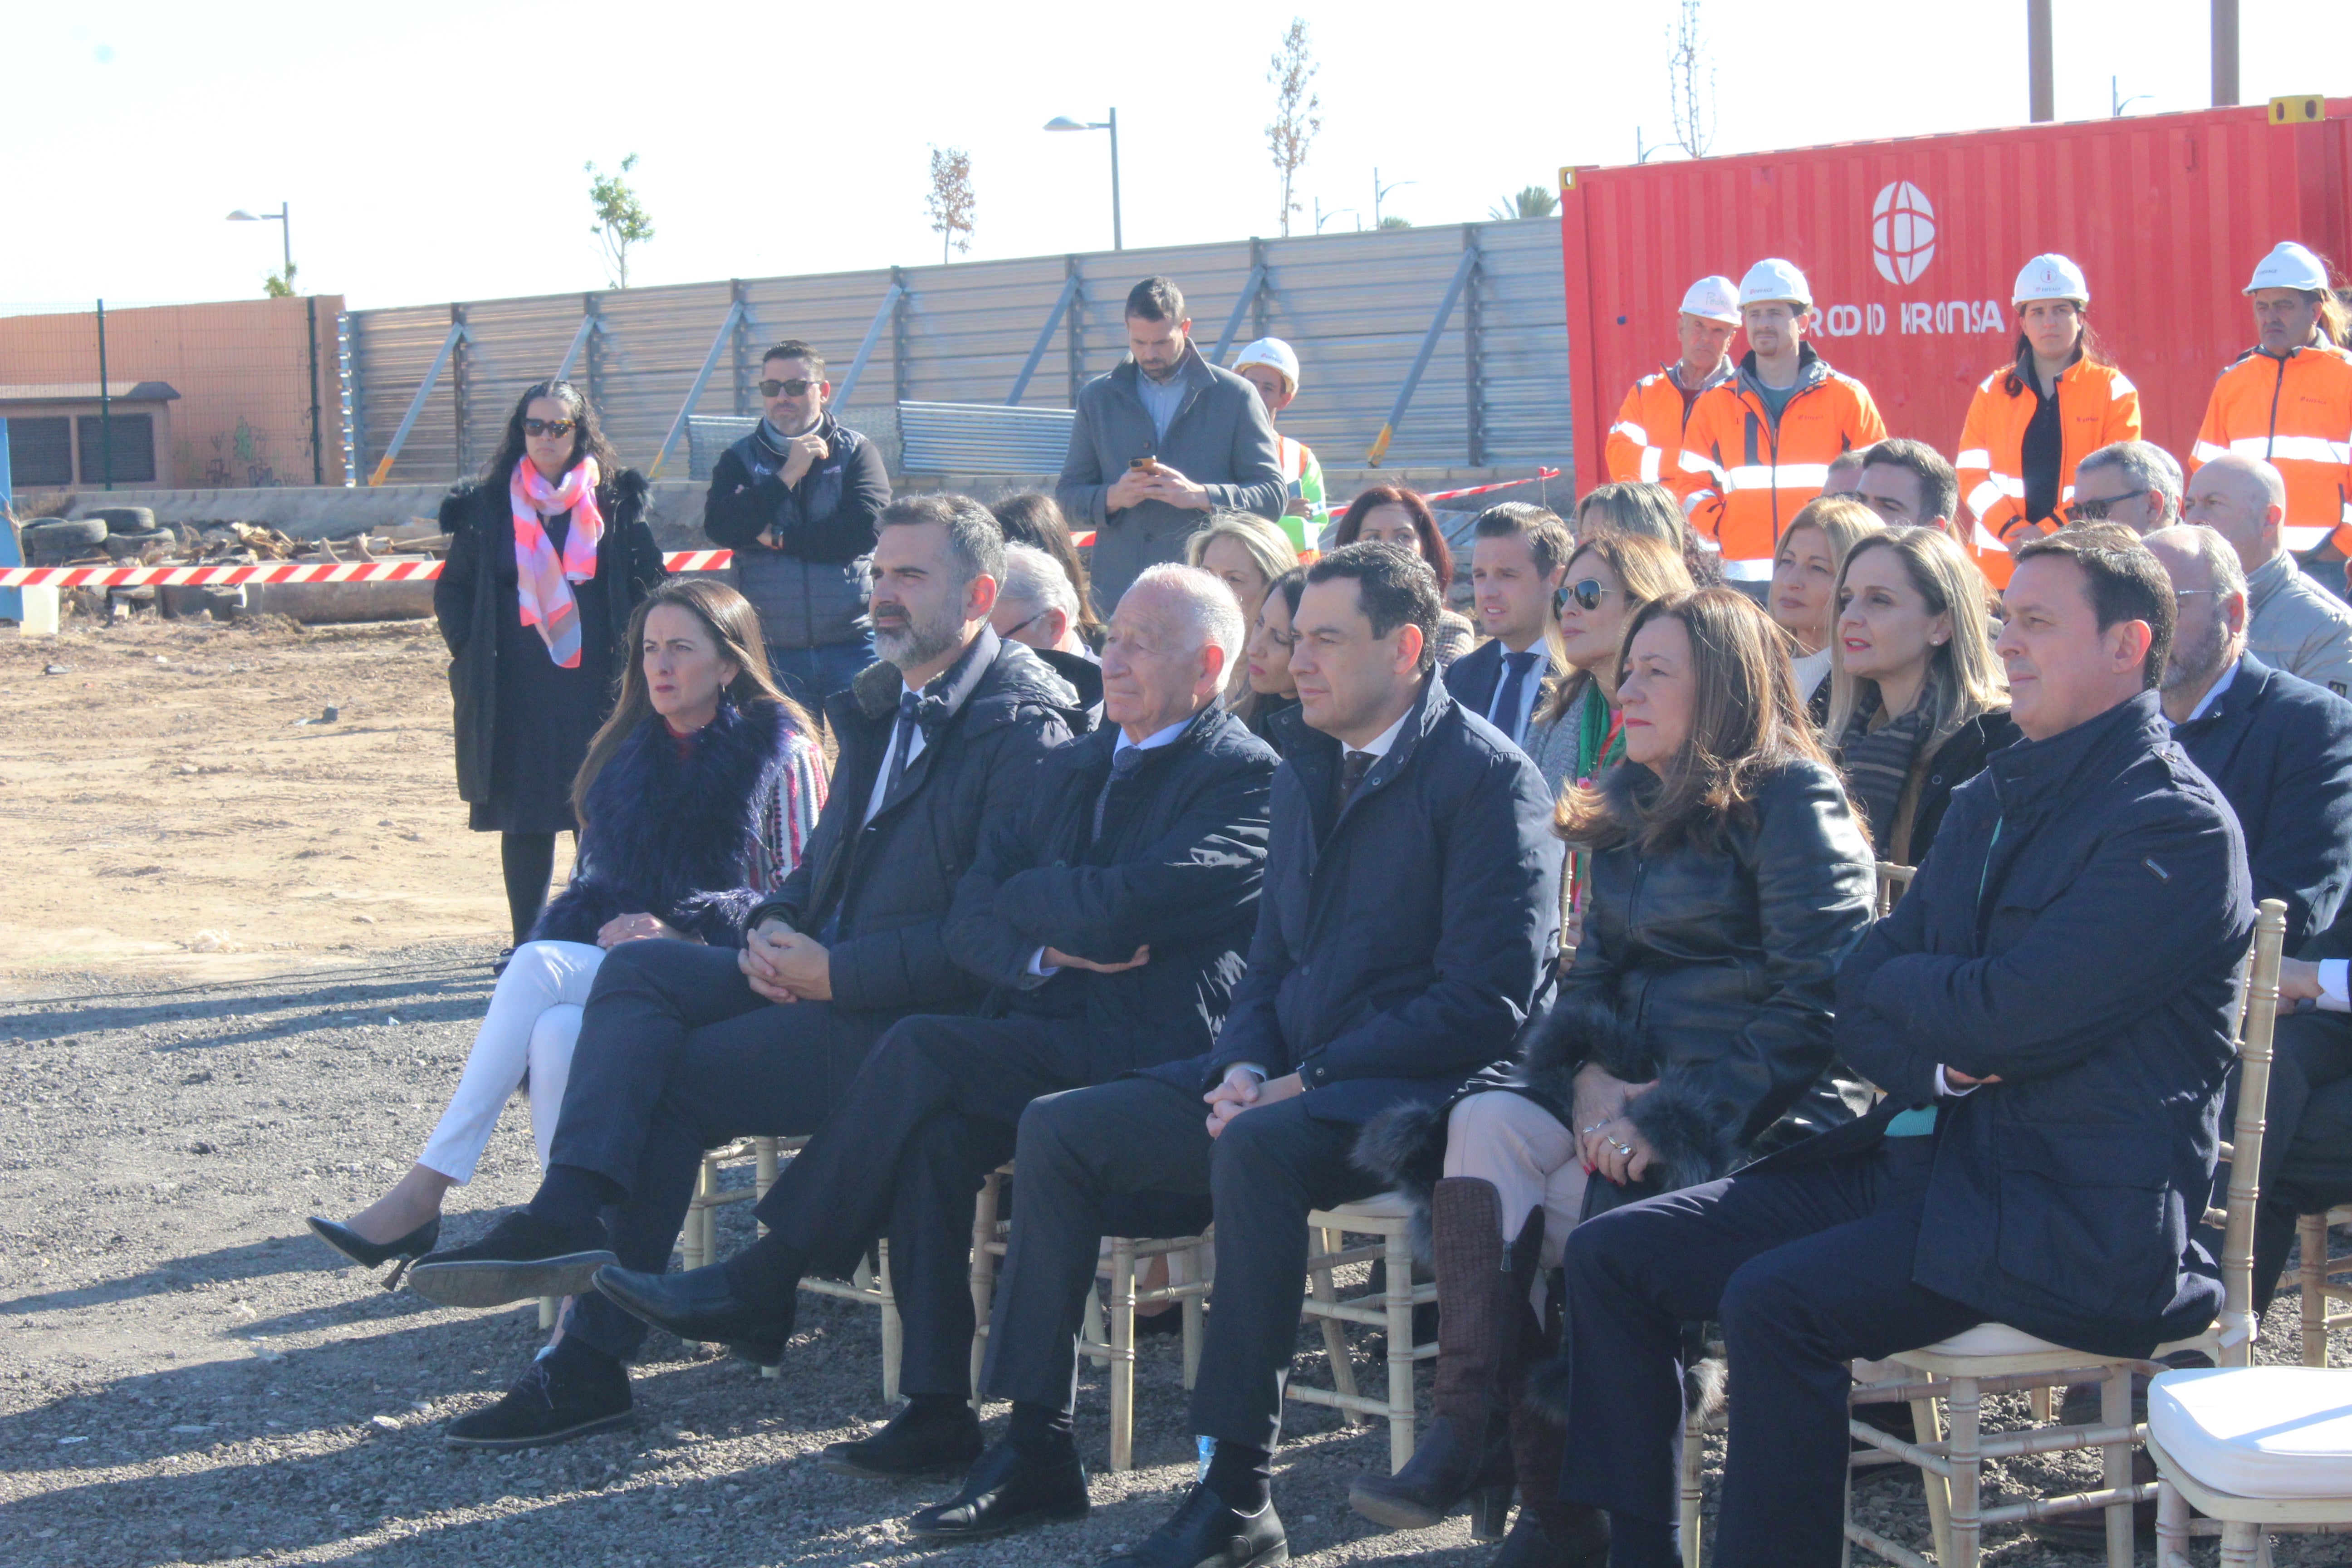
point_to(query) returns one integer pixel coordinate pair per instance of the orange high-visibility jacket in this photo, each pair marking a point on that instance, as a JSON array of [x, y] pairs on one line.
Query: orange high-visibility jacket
[[1646, 442], [2296, 413], [1750, 478], [2097, 404]]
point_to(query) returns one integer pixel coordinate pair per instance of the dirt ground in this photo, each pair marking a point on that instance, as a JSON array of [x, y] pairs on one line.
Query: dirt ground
[[187, 1376]]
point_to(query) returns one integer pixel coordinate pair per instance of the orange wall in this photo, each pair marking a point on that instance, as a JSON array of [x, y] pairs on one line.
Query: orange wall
[[241, 366]]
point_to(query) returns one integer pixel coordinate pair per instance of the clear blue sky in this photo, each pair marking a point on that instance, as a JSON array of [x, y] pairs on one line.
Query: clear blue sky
[[433, 150]]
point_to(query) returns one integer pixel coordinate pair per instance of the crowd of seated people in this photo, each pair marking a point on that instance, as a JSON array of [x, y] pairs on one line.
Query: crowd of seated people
[[1275, 886]]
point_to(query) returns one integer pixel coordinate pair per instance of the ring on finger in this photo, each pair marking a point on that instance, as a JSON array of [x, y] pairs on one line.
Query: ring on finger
[[1620, 1148]]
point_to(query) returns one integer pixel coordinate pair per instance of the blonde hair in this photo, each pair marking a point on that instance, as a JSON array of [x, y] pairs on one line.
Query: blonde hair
[[1964, 678], [1648, 570], [1843, 522], [1269, 550]]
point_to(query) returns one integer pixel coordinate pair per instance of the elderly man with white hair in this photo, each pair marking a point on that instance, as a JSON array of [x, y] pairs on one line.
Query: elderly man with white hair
[[1038, 605], [1112, 917], [2291, 623]]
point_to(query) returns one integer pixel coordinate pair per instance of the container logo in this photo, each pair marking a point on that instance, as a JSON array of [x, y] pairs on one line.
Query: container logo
[[1902, 232]]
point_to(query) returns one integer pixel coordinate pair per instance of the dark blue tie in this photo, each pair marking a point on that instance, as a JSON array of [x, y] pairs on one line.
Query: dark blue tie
[[1509, 713], [1123, 765], [902, 741]]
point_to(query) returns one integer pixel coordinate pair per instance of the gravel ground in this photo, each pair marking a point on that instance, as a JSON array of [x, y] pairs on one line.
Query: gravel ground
[[190, 1377]]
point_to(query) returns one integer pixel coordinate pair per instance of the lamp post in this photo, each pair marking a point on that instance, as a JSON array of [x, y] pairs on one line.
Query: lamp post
[[281, 216], [1064, 122]]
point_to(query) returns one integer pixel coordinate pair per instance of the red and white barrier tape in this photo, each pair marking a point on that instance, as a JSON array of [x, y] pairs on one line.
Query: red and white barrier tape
[[279, 571]]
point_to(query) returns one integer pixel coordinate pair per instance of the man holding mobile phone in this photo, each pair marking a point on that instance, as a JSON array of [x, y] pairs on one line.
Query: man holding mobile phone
[[798, 500], [1159, 443]]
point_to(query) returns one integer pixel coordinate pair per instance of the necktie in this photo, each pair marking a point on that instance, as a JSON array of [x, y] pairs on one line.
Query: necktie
[[1351, 775], [902, 741], [1123, 765], [1509, 712]]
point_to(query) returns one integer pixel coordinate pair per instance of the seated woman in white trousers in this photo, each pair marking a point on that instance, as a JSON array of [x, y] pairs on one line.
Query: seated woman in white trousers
[[696, 798], [1692, 1031]]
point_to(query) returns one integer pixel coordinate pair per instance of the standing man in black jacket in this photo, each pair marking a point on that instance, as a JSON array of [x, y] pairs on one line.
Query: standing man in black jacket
[[1162, 441], [2049, 1011], [1111, 917], [684, 1046], [1409, 913], [797, 500]]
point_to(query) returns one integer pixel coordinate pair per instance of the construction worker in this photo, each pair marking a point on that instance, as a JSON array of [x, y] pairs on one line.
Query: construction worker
[[2034, 420], [1272, 366], [2288, 399], [1646, 442], [1758, 446]]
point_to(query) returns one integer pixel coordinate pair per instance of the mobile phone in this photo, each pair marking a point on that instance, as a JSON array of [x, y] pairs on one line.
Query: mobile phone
[[1148, 465]]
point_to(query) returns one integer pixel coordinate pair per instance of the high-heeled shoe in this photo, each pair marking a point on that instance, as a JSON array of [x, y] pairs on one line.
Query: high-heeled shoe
[[371, 1254]]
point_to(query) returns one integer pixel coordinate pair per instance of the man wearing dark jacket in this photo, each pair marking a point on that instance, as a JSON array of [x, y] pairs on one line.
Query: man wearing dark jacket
[[683, 1047], [2049, 1012], [797, 501], [1159, 443], [1408, 916], [1110, 917]]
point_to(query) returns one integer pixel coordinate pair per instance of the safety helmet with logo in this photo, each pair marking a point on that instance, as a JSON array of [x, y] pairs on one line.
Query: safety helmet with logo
[[1713, 299], [1273, 354], [1773, 278], [2290, 266], [2051, 277]]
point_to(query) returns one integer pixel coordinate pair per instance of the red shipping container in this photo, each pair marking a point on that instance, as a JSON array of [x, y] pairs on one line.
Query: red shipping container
[[1912, 247]]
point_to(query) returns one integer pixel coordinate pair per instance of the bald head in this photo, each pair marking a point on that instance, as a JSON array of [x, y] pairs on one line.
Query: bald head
[[2243, 499]]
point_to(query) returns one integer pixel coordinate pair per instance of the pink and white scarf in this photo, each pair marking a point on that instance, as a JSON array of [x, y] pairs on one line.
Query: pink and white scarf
[[543, 581]]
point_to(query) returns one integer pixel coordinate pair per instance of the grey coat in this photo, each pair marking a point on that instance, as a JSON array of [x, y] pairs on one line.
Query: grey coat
[[2294, 624], [1219, 437]]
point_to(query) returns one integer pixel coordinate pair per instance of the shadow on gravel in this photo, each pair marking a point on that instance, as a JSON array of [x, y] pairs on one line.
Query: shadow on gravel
[[448, 992], [301, 1254]]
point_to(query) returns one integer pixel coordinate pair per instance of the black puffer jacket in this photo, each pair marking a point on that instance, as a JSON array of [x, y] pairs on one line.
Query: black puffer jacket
[[884, 886], [1961, 758]]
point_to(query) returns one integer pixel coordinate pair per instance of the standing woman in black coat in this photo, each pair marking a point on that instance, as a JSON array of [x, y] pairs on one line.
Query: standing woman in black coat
[[548, 555], [1728, 881]]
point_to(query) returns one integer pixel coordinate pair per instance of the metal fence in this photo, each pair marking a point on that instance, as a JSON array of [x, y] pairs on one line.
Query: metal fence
[[1359, 309]]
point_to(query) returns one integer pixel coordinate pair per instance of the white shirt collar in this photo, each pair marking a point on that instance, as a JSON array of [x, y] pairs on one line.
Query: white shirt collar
[[1378, 746], [2213, 692], [1157, 738]]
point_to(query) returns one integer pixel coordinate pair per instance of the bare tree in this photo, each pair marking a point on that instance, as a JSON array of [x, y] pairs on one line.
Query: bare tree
[[1690, 83], [620, 219], [1298, 112], [951, 202]]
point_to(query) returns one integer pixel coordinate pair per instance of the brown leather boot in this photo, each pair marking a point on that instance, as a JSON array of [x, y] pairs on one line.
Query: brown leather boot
[[1466, 1451], [1547, 1533]]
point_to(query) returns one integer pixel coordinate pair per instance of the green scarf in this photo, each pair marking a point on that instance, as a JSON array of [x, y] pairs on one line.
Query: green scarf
[[1592, 735]]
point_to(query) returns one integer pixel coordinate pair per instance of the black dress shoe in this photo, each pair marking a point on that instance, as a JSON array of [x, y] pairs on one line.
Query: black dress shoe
[[371, 1254], [701, 1305], [911, 1447], [1004, 1493], [522, 1256], [559, 1398], [1206, 1533]]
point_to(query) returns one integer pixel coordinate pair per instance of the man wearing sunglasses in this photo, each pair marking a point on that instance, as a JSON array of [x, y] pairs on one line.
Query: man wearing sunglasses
[[2134, 483], [797, 500]]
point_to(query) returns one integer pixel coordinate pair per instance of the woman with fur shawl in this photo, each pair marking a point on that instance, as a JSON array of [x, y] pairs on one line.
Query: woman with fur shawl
[[695, 799], [1729, 880]]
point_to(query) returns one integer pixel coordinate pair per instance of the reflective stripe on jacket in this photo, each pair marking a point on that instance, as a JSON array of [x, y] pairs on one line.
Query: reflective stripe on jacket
[[2097, 404], [1646, 442], [2296, 413], [1753, 476]]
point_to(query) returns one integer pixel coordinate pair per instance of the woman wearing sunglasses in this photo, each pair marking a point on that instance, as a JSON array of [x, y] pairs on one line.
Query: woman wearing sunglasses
[[1576, 731], [548, 558], [1802, 599], [1633, 506], [1691, 1034]]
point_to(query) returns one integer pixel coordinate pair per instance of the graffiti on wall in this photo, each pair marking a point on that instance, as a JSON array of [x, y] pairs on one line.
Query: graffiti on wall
[[242, 460]]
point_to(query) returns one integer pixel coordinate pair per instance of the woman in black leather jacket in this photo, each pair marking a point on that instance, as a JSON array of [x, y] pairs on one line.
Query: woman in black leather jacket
[[1729, 880]]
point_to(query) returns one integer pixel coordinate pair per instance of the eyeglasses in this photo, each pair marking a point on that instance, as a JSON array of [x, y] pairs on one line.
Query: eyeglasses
[[2193, 593], [1587, 593], [557, 427], [795, 388], [1015, 631], [2096, 511]]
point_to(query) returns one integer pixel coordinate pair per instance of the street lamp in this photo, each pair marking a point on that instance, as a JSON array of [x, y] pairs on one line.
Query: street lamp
[[1064, 122], [279, 216]]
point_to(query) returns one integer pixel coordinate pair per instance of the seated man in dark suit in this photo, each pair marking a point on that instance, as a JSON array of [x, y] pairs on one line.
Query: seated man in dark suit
[[1408, 917], [2049, 1010], [1111, 915], [684, 1046], [1519, 554]]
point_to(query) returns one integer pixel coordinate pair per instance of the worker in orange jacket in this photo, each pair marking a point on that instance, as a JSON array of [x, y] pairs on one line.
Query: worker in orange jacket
[[2032, 420], [1758, 446], [2288, 399], [1646, 442]]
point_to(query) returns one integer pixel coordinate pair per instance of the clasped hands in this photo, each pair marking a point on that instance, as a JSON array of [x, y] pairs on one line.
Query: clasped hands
[[1607, 1142], [783, 965], [1241, 1090], [638, 928]]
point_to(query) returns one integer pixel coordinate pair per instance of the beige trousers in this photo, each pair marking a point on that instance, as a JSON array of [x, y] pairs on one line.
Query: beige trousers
[[1512, 1142]]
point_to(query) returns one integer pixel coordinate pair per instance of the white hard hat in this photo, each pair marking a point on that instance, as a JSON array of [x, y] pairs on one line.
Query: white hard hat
[[1773, 278], [2051, 277], [2289, 266], [1273, 354], [1715, 298]]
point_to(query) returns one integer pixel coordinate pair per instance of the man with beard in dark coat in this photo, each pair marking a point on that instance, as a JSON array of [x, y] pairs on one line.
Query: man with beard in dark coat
[[2049, 1010], [1111, 917], [684, 1046]]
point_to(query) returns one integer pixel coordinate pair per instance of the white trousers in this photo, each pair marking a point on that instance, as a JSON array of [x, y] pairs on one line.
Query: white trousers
[[532, 1024], [1512, 1142]]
